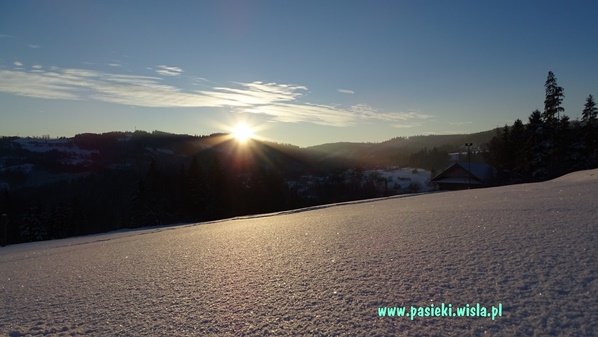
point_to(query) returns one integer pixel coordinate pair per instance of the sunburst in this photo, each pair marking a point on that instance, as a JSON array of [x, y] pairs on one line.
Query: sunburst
[[242, 132]]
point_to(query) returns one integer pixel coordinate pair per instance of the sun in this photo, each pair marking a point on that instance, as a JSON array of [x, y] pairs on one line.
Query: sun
[[242, 133]]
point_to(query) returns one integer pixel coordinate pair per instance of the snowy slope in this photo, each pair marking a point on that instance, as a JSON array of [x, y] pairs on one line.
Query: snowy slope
[[326, 271]]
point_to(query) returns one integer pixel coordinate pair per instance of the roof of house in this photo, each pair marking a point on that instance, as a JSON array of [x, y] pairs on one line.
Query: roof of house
[[480, 173]]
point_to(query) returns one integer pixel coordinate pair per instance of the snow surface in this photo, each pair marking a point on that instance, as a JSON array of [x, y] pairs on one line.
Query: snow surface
[[325, 271]]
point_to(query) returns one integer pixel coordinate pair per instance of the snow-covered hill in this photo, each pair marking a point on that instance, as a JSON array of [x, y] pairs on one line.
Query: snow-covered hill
[[326, 271]]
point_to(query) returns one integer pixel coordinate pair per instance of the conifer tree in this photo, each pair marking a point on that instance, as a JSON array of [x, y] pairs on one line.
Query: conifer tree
[[589, 121], [590, 112], [537, 147], [553, 101], [552, 119], [518, 142]]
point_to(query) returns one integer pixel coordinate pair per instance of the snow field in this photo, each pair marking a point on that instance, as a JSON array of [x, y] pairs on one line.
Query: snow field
[[325, 271]]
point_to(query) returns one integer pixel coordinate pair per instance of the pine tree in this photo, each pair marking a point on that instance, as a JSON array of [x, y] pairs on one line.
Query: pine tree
[[552, 119], [590, 132], [590, 112], [518, 140], [537, 147], [561, 161], [553, 101]]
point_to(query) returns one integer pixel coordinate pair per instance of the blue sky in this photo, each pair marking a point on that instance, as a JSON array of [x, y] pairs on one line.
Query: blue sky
[[300, 72]]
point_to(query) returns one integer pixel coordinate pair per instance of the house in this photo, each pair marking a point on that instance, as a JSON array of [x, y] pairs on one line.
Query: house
[[461, 176]]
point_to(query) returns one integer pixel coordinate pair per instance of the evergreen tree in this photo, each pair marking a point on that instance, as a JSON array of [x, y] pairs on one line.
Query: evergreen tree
[[590, 132], [518, 141], [551, 116], [507, 150], [553, 101], [537, 147], [590, 112], [563, 148]]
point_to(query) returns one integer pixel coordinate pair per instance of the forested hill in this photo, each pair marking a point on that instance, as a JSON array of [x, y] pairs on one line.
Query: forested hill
[[90, 183], [400, 150], [36, 161]]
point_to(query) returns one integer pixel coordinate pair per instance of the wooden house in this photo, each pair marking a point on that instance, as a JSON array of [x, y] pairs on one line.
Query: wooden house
[[460, 176]]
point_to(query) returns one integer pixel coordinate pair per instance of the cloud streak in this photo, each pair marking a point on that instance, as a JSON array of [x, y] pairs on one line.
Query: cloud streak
[[169, 71], [346, 91], [281, 102], [367, 112]]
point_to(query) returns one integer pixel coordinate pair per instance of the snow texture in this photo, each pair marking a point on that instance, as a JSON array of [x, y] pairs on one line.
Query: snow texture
[[325, 271]]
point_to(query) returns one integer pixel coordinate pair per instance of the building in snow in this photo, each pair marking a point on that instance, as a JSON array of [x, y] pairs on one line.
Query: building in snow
[[461, 176]]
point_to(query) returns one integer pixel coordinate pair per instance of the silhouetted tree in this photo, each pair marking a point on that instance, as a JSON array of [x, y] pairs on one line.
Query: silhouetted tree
[[551, 116], [553, 101], [589, 124], [537, 147], [590, 112], [518, 144]]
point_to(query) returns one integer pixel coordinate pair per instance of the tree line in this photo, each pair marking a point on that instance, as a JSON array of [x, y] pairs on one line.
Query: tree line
[[549, 144]]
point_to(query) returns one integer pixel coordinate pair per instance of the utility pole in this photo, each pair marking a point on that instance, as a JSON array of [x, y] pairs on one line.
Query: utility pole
[[469, 164]]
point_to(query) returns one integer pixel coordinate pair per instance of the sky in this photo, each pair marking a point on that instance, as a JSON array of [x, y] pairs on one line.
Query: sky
[[297, 72]]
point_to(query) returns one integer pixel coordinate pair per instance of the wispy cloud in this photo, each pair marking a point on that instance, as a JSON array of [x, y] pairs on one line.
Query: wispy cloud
[[346, 91], [33, 46], [306, 112], [281, 102], [367, 112], [256, 93], [169, 71], [445, 132], [405, 126], [6, 36], [17, 63]]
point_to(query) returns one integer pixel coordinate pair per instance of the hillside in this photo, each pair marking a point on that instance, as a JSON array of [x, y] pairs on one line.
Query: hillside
[[34, 161], [398, 151], [93, 183], [327, 271]]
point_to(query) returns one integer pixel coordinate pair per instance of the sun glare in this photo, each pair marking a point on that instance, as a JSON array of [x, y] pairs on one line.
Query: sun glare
[[242, 132]]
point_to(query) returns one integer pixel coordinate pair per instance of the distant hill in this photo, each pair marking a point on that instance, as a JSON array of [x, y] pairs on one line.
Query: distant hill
[[396, 151], [34, 161], [91, 183]]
